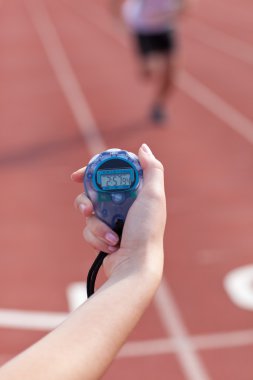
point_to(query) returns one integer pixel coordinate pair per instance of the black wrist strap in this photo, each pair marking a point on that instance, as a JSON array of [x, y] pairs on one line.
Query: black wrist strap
[[92, 274]]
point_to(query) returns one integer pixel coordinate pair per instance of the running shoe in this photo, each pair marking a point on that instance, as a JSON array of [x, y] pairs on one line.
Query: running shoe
[[158, 114]]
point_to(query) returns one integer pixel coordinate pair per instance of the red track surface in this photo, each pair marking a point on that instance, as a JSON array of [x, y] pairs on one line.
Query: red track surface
[[208, 179]]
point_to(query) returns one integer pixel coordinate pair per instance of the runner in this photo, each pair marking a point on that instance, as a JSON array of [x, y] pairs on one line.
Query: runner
[[153, 24]]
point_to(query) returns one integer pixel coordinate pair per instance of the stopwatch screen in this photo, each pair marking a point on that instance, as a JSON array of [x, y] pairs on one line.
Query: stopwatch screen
[[111, 180], [115, 179]]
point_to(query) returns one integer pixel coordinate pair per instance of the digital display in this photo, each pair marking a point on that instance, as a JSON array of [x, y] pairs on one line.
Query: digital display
[[115, 179]]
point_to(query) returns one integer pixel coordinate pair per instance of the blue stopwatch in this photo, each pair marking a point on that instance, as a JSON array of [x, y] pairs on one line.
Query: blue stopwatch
[[112, 181]]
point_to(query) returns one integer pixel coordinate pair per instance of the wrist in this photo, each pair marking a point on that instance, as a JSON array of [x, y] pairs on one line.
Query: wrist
[[133, 287], [146, 263]]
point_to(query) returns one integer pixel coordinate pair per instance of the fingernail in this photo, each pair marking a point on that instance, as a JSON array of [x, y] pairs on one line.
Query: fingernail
[[111, 238], [112, 249], [146, 149], [78, 171], [82, 207]]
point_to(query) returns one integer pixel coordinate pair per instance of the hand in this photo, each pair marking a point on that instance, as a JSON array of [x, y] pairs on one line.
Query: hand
[[141, 247]]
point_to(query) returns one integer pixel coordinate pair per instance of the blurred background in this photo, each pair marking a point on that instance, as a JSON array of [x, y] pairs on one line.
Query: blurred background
[[69, 88]]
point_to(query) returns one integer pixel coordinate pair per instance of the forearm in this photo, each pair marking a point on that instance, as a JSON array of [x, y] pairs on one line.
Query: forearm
[[85, 344]]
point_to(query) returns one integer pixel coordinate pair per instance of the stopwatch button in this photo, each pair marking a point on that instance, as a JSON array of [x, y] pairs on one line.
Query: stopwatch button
[[104, 212], [118, 197]]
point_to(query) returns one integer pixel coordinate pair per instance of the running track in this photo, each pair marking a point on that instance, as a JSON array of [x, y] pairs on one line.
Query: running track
[[68, 90]]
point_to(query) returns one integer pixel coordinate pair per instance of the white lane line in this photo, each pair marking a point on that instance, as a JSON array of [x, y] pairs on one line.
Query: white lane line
[[30, 320], [216, 105], [172, 321], [65, 75], [238, 283], [46, 321], [76, 295], [198, 342], [222, 42], [223, 340]]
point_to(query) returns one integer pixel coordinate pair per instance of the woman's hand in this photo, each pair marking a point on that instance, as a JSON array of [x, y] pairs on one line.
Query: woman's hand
[[141, 246]]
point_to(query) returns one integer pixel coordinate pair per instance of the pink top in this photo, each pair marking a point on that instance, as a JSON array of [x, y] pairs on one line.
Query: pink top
[[150, 15]]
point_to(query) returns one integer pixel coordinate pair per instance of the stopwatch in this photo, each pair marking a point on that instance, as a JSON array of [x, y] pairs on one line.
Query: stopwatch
[[112, 181]]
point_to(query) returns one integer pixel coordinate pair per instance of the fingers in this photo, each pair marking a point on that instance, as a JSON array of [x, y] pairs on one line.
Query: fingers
[[100, 236], [83, 203], [77, 176], [96, 233], [150, 207]]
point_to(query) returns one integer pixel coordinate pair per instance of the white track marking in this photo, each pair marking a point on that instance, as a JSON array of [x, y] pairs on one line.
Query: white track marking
[[222, 42], [65, 75], [223, 340], [198, 342], [174, 325], [239, 285], [30, 320], [76, 295], [216, 105], [46, 321]]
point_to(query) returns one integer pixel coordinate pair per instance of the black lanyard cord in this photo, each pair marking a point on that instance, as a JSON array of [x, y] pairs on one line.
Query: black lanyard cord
[[92, 274]]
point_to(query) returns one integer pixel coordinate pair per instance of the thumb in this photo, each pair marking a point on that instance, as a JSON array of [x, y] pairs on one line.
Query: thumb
[[146, 218], [152, 168]]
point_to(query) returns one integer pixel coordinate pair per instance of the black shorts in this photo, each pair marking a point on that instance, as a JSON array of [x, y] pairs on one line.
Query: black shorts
[[155, 43]]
